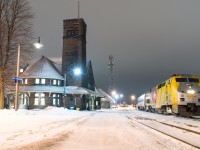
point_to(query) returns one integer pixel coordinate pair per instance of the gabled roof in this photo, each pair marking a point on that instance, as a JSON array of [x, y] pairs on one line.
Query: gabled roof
[[43, 68]]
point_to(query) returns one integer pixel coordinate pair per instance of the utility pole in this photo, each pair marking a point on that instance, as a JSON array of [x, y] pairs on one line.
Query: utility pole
[[17, 79], [78, 10], [111, 78]]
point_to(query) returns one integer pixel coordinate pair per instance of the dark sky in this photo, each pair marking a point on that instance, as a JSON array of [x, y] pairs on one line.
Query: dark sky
[[149, 39]]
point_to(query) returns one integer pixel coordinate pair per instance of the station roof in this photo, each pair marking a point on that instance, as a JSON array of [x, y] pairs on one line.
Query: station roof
[[57, 89], [43, 68]]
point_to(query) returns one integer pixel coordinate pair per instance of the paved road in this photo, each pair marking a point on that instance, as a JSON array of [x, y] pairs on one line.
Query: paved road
[[112, 130]]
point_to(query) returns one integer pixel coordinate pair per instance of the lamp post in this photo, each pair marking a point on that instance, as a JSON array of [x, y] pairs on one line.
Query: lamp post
[[76, 72], [64, 93], [17, 79]]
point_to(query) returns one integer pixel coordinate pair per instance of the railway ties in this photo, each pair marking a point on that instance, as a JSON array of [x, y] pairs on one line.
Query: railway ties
[[184, 135]]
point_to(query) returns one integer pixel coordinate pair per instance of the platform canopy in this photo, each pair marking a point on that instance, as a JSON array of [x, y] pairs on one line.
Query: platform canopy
[[56, 89]]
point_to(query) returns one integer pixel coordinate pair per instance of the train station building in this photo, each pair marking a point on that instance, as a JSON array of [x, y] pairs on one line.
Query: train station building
[[45, 83]]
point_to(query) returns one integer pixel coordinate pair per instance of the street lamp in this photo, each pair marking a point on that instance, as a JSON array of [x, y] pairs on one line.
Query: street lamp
[[121, 96], [113, 93], [38, 45], [17, 79], [133, 98], [76, 72], [116, 96]]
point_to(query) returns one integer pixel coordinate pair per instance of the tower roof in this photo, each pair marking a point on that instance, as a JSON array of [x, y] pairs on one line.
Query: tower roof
[[43, 68]]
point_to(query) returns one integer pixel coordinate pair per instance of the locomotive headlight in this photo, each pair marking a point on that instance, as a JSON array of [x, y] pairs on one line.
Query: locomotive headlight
[[190, 92]]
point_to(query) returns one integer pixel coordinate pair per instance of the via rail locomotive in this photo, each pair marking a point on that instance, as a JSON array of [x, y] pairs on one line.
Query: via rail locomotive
[[179, 94]]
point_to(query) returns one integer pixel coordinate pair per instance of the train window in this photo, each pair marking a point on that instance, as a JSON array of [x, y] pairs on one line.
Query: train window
[[163, 84], [169, 81], [181, 79], [193, 80], [159, 86]]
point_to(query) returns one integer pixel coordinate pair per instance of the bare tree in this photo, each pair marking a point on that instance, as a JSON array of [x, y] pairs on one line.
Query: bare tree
[[15, 27]]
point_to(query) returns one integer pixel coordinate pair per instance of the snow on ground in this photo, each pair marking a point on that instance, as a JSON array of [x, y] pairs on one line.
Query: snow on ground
[[184, 122], [28, 126], [189, 123], [16, 127]]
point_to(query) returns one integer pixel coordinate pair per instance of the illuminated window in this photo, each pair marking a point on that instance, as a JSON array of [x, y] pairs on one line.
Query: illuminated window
[[54, 101], [43, 81], [42, 101], [24, 98], [54, 82], [37, 81], [26, 81], [36, 101], [39, 99], [58, 82]]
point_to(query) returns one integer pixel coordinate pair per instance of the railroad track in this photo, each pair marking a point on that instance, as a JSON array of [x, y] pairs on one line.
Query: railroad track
[[184, 135]]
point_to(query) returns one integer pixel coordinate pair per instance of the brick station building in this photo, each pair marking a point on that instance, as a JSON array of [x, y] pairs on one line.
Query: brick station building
[[43, 85]]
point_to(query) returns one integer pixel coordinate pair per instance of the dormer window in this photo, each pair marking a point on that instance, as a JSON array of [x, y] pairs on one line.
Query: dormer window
[[37, 81], [58, 82], [42, 81], [54, 82]]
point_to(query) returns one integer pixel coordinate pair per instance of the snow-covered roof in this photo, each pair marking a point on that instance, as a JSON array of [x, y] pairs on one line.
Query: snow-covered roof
[[56, 89], [106, 96], [43, 68], [78, 90], [97, 94], [38, 88]]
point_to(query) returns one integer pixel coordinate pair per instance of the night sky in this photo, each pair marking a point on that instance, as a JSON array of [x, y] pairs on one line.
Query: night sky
[[150, 40]]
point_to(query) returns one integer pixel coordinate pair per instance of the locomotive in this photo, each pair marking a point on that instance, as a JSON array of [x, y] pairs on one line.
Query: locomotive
[[180, 94]]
